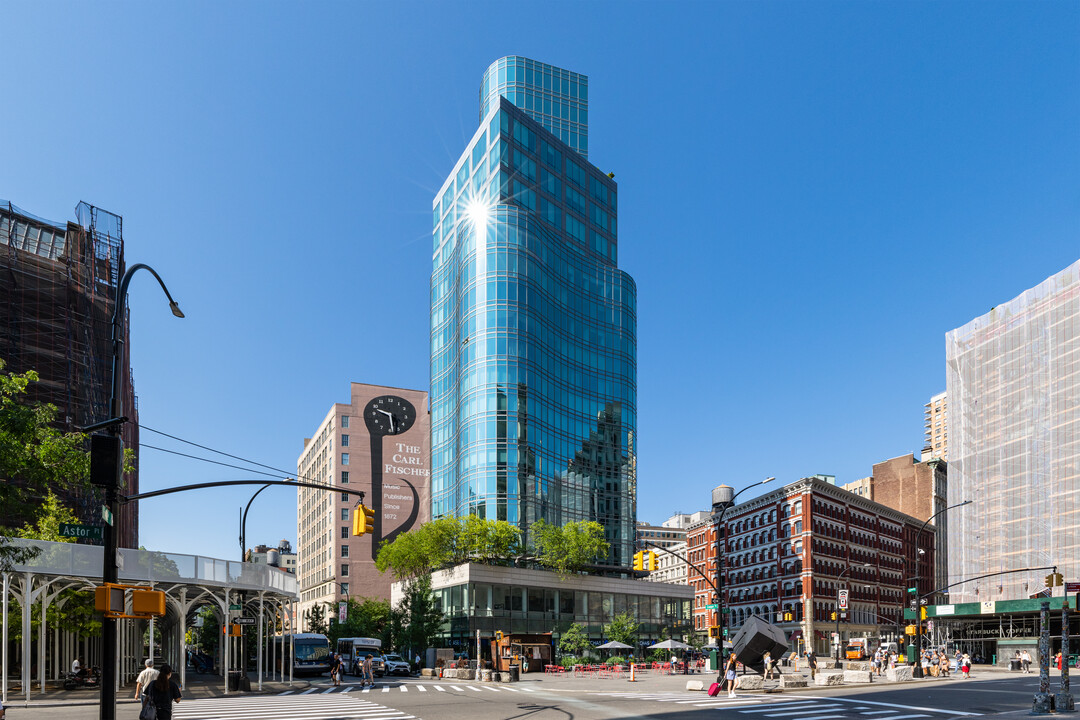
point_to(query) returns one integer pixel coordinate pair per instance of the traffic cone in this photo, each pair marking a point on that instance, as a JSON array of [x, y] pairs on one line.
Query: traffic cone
[[632, 678]]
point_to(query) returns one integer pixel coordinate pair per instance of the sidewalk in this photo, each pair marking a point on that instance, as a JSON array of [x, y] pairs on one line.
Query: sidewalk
[[197, 687]]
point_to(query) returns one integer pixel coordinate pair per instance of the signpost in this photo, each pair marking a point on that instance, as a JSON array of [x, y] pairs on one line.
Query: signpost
[[87, 532], [712, 607], [106, 514], [842, 598], [244, 621]]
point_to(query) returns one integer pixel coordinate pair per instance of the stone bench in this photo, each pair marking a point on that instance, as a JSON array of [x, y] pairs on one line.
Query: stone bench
[[750, 682], [695, 685], [858, 676], [900, 673], [835, 678], [792, 680]]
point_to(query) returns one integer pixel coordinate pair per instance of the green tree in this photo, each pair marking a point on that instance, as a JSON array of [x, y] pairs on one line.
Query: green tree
[[574, 641], [316, 618], [34, 457], [421, 616], [51, 514], [568, 548], [449, 541], [367, 617], [623, 628]]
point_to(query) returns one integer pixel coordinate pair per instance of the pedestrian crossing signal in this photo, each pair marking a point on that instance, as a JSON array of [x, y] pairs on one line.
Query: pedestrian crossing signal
[[788, 617], [911, 630], [363, 521], [714, 631]]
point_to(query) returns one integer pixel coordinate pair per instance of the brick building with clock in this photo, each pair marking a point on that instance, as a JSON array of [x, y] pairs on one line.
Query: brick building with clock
[[378, 443], [793, 549]]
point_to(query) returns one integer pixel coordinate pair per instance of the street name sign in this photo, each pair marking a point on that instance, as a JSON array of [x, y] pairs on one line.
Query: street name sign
[[244, 621], [90, 532], [712, 607], [106, 514]]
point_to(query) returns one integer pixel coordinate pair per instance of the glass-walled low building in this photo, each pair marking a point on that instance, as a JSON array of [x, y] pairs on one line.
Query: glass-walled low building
[[515, 600]]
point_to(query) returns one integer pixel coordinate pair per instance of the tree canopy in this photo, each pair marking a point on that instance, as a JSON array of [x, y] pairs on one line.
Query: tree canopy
[[568, 548], [622, 628], [448, 541]]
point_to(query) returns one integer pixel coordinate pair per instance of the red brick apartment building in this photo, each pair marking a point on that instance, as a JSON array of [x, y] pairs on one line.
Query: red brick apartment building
[[791, 550]]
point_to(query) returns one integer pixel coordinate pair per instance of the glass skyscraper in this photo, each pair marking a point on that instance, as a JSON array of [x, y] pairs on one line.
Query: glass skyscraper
[[533, 325]]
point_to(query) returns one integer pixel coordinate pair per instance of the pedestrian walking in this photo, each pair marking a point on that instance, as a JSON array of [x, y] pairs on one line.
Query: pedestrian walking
[[147, 676], [729, 675], [768, 665], [1025, 662], [335, 668], [1057, 659], [368, 674], [965, 666], [811, 660], [943, 665], [163, 693]]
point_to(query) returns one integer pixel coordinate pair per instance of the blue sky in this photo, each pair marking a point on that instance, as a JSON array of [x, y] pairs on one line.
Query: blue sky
[[811, 195]]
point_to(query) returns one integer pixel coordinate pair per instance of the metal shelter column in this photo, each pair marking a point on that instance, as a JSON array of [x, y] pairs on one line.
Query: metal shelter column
[[183, 637], [4, 649], [259, 662]]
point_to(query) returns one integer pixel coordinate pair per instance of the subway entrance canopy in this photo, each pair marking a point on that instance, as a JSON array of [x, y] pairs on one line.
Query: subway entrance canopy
[[189, 582]]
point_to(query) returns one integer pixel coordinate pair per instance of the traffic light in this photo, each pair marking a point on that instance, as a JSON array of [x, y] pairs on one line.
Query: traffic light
[[1059, 579], [650, 563], [922, 613], [232, 630], [1049, 580], [498, 637], [833, 616], [639, 560], [363, 521], [714, 631], [910, 630], [788, 617]]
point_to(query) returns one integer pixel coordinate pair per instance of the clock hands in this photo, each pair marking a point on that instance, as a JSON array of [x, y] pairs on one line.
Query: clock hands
[[389, 415]]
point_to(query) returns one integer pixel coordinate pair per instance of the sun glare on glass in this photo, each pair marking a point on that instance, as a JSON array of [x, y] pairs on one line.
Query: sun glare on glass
[[478, 212]]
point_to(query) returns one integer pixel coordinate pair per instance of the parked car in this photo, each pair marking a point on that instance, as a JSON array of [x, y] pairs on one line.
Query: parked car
[[395, 665]]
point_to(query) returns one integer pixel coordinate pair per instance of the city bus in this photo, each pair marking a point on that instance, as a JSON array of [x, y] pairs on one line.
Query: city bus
[[354, 650], [310, 653]]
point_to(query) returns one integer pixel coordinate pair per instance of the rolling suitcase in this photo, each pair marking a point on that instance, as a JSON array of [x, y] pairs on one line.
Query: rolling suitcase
[[714, 689]]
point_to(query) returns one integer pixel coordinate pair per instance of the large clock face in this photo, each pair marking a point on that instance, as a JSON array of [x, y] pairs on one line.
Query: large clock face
[[389, 415]]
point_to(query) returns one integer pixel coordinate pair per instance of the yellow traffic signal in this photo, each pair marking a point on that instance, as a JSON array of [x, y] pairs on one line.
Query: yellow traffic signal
[[639, 560], [650, 563], [788, 617], [833, 617], [498, 636], [147, 603], [363, 521], [910, 630], [1059, 579], [714, 631], [1049, 580], [922, 613]]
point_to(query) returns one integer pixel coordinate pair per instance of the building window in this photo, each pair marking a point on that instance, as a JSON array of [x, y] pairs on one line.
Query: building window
[[344, 496], [344, 588], [344, 458], [344, 477], [344, 441], [344, 570], [344, 513], [344, 421], [344, 551], [344, 533]]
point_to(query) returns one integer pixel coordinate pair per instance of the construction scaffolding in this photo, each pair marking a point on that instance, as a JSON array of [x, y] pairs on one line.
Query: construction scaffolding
[[58, 286], [1013, 385]]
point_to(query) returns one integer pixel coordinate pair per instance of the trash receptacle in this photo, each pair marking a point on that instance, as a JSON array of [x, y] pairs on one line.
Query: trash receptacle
[[1014, 665], [515, 673], [239, 681]]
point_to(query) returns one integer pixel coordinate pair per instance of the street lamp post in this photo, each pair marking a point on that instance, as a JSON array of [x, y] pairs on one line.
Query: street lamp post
[[110, 570], [846, 571], [917, 670], [243, 523], [723, 498]]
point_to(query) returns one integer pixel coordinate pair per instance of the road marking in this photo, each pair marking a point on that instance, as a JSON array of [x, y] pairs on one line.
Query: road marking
[[458, 688], [906, 717], [287, 692], [440, 688], [328, 690], [404, 688], [874, 712], [528, 689], [786, 707], [905, 707], [490, 688], [824, 717], [472, 688], [308, 692], [819, 708], [350, 687], [421, 688], [510, 689], [386, 688], [274, 707]]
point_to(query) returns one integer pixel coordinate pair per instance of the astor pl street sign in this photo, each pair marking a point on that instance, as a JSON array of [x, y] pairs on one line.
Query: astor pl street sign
[[90, 532], [712, 607]]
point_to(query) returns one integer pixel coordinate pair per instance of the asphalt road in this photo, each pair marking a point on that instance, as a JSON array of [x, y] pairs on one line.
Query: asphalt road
[[429, 699]]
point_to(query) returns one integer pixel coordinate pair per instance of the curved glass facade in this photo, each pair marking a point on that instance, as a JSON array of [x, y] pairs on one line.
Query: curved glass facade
[[557, 99], [533, 338]]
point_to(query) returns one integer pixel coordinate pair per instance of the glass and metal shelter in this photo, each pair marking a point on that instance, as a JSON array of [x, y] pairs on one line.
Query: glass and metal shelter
[[188, 581]]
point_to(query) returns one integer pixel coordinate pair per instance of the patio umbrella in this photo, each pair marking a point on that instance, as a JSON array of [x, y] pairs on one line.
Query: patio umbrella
[[614, 645], [669, 645]]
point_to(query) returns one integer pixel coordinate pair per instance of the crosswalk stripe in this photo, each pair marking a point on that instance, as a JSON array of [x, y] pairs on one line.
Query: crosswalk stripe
[[440, 688], [787, 713], [386, 688], [421, 688], [458, 688], [287, 692], [510, 689], [785, 706], [275, 707], [528, 689], [874, 712], [906, 717], [404, 688], [328, 690], [350, 687], [308, 692], [491, 689], [825, 717], [472, 688]]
